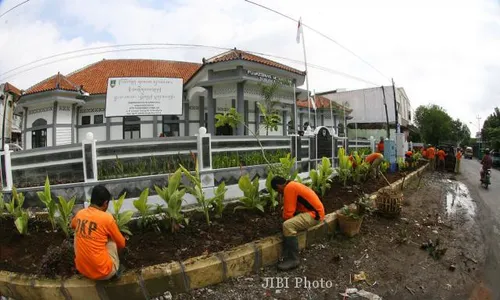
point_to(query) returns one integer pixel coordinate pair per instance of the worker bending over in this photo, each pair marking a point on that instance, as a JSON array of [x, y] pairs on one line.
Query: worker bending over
[[374, 159]]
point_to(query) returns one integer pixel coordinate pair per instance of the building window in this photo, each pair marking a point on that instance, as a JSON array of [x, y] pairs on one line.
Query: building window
[[39, 136], [85, 120], [98, 119], [131, 128], [170, 125]]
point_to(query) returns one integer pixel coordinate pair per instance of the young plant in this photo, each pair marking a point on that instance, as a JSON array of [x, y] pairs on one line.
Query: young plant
[[251, 197], [345, 167], [65, 209], [218, 199], [50, 204], [401, 164], [363, 206], [286, 168], [362, 168], [271, 197], [320, 178], [119, 167], [173, 196], [122, 218], [2, 206], [144, 209], [18, 213], [384, 166]]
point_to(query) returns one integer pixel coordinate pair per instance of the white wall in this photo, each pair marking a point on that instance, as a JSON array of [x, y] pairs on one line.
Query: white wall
[[45, 113], [116, 132], [147, 130], [63, 136], [64, 112]]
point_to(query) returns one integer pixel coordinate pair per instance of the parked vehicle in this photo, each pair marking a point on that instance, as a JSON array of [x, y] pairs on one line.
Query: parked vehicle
[[495, 156], [468, 153]]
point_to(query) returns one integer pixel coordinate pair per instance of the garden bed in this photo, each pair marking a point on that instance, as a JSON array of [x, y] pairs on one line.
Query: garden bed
[[45, 253]]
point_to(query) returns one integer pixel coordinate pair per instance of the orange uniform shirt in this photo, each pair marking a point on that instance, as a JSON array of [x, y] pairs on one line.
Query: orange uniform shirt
[[441, 154], [370, 158], [93, 228], [409, 153], [424, 154], [295, 194], [380, 147], [459, 155], [431, 152]]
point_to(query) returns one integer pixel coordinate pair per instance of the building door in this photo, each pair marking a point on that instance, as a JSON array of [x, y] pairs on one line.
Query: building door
[[39, 135]]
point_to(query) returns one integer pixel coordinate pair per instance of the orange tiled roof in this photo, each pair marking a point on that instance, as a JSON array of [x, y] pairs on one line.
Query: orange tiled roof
[[322, 102], [56, 82], [10, 88], [94, 78], [236, 54]]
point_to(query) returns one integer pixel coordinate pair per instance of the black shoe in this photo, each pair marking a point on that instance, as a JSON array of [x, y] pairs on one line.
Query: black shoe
[[118, 273], [291, 248]]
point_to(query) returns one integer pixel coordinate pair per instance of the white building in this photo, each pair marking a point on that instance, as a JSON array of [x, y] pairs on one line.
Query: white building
[[369, 113], [62, 109]]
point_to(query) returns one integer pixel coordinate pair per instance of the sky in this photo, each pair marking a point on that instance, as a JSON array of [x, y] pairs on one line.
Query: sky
[[443, 52]]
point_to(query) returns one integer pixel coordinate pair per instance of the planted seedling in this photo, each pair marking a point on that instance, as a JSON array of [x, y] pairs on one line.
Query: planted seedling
[[218, 199], [271, 195], [2, 206], [50, 204], [65, 210], [321, 178], [122, 218], [144, 209], [173, 197], [344, 170], [251, 197], [18, 213]]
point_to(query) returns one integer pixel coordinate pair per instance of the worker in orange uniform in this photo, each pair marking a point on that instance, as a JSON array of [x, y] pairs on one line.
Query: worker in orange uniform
[[374, 159], [97, 238], [409, 158], [441, 156], [302, 209], [424, 153], [380, 145], [458, 157], [431, 155]]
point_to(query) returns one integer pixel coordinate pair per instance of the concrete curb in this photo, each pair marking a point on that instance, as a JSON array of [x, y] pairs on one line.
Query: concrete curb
[[176, 277]]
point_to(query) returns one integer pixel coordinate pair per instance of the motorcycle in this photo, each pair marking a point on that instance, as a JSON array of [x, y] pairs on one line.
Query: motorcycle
[[485, 181]]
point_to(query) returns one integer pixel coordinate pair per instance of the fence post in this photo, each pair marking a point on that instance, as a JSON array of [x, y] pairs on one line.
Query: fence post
[[89, 155], [372, 144], [8, 168], [204, 158]]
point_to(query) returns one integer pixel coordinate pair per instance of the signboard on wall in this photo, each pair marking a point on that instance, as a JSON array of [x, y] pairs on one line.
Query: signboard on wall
[[143, 96]]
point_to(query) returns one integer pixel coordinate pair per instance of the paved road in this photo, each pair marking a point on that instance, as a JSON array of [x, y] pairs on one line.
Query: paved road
[[488, 202]]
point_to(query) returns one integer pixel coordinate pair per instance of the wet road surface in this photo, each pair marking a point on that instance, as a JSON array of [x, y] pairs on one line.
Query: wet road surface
[[488, 203]]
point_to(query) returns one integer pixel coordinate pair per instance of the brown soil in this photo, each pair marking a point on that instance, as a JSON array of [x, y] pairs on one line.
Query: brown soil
[[388, 251], [46, 253]]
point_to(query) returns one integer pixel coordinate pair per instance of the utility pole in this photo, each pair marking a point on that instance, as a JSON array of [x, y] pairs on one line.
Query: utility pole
[[395, 106], [386, 114]]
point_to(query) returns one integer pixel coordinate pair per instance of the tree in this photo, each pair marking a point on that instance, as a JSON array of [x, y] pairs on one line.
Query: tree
[[271, 116], [434, 123], [460, 133], [491, 129]]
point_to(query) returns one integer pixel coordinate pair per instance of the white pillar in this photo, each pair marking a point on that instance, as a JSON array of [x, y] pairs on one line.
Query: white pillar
[[204, 144], [8, 168], [372, 144], [89, 157]]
